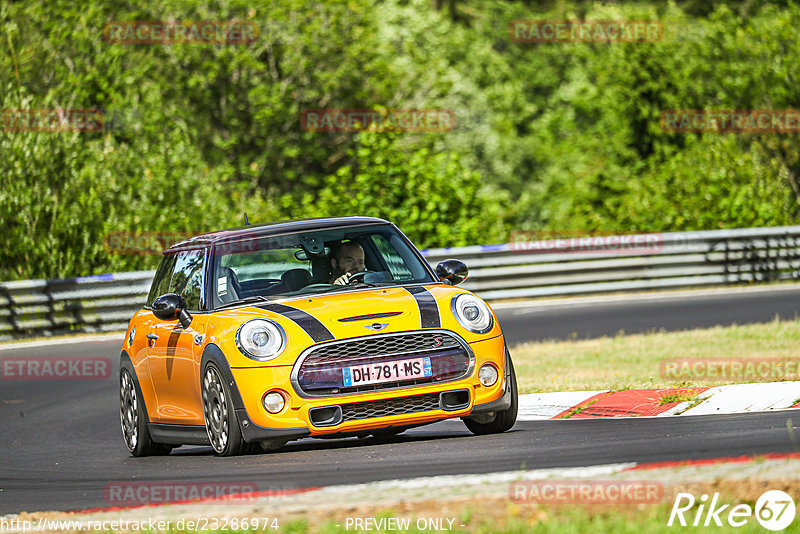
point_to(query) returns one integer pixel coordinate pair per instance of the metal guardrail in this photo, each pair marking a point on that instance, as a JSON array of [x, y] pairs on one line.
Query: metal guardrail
[[98, 303], [660, 261], [512, 270]]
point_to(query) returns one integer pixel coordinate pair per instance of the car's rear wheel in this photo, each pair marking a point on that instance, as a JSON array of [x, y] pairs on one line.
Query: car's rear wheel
[[503, 420], [133, 420], [221, 422]]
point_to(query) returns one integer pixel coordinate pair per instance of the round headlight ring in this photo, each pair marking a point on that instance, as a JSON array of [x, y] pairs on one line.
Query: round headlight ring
[[261, 339], [472, 313]]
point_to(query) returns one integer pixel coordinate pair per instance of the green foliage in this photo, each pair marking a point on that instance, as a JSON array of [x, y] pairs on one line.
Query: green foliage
[[548, 136], [389, 182]]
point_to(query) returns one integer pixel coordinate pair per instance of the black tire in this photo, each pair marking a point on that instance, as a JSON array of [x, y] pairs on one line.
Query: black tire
[[133, 419], [504, 420], [219, 415]]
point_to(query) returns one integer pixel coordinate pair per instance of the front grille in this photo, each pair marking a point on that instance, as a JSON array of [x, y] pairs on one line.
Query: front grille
[[382, 408], [319, 371], [380, 346]]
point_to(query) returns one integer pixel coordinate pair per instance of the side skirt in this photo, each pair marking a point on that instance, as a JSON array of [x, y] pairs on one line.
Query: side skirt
[[178, 434]]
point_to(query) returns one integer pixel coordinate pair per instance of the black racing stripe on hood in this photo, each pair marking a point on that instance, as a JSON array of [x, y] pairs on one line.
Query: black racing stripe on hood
[[307, 322], [428, 309]]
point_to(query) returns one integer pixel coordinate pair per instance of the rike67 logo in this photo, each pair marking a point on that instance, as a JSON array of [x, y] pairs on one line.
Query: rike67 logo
[[774, 510]]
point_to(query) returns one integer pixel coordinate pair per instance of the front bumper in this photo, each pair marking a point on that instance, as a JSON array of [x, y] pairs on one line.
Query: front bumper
[[409, 406], [501, 404]]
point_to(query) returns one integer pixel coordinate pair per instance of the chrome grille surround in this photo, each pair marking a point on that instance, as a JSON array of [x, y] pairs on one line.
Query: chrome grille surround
[[360, 350]]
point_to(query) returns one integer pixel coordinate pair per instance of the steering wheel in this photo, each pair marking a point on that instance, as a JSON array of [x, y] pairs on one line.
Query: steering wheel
[[358, 277]]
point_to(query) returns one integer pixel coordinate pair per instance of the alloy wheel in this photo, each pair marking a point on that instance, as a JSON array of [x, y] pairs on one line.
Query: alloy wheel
[[128, 411], [215, 410]]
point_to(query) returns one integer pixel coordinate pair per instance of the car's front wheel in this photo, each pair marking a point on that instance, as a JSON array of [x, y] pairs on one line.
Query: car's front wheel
[[503, 420], [221, 422], [133, 420]]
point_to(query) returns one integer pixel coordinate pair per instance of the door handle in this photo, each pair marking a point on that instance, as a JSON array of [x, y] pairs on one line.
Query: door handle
[[152, 337]]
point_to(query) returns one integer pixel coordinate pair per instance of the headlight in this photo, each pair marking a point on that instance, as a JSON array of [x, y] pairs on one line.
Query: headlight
[[472, 313], [261, 339]]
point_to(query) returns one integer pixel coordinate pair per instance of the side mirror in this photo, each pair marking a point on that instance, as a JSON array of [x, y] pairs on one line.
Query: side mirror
[[170, 307], [452, 272]]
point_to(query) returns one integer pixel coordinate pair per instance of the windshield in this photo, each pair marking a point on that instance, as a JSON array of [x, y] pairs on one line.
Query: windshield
[[313, 263]]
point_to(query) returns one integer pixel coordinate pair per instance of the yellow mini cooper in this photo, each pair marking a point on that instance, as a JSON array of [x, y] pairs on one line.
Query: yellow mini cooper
[[332, 327]]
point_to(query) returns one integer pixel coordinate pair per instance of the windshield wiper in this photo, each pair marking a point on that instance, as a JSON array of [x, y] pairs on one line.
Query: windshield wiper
[[252, 298]]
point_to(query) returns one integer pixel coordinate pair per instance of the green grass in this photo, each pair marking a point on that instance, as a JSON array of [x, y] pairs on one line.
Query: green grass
[[633, 361], [577, 409], [677, 397]]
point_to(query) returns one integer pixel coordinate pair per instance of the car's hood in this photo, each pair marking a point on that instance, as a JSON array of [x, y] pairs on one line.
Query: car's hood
[[350, 313]]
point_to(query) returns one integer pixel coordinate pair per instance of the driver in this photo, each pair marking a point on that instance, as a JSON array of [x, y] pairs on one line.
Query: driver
[[347, 260]]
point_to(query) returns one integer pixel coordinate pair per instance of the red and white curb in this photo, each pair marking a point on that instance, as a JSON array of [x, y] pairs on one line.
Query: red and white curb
[[737, 398]]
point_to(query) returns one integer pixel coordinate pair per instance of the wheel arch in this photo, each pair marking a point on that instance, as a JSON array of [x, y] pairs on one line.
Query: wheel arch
[[126, 363], [213, 354], [250, 431]]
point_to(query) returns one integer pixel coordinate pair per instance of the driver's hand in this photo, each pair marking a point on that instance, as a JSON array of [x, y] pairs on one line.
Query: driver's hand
[[342, 280]]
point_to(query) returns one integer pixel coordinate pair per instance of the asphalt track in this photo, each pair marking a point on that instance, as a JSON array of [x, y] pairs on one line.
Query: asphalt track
[[60, 443], [666, 311]]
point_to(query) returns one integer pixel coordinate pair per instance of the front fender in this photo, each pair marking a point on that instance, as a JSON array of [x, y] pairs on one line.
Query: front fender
[[250, 431], [126, 363]]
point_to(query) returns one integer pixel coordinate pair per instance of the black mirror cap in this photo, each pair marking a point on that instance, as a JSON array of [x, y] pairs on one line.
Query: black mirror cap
[[169, 307], [452, 272]]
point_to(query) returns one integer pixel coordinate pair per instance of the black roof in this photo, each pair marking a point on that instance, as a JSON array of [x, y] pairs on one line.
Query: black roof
[[273, 228]]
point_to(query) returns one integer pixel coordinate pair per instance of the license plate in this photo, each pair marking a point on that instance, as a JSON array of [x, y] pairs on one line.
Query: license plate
[[375, 373]]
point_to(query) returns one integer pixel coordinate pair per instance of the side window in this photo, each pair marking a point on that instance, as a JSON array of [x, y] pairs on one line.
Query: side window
[[397, 266], [187, 278], [162, 278]]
